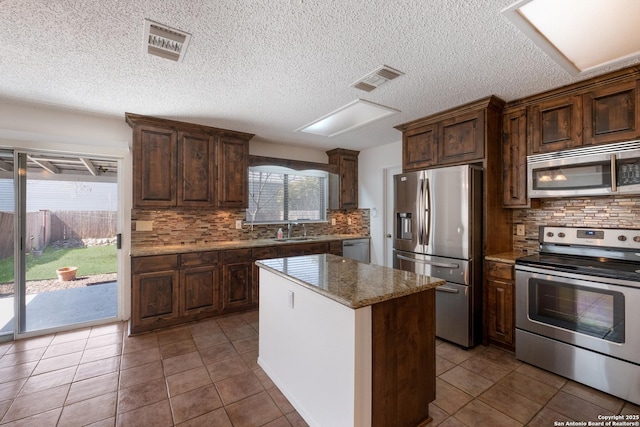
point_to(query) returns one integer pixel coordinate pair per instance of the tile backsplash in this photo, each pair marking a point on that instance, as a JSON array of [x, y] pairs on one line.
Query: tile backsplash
[[194, 226], [596, 212]]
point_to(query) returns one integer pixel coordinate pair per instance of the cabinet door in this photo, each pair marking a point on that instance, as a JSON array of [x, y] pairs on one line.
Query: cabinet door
[[257, 254], [500, 311], [196, 170], [200, 290], [514, 159], [419, 148], [236, 279], [556, 125], [154, 299], [349, 182], [612, 114], [233, 164], [154, 166], [461, 139]]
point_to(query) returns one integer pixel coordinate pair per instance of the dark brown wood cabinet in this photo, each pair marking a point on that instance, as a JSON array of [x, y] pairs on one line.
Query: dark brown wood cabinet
[[499, 304], [419, 147], [199, 283], [155, 292], [154, 172], [456, 136], [556, 124], [299, 249], [237, 266], [177, 164], [514, 158], [612, 113], [461, 139], [233, 161], [196, 170], [344, 195]]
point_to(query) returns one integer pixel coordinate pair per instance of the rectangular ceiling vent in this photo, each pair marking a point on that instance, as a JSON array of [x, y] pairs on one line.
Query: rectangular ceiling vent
[[377, 78], [165, 42]]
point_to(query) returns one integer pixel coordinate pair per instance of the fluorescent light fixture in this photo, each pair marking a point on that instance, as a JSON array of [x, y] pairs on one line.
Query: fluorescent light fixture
[[580, 35], [351, 116]]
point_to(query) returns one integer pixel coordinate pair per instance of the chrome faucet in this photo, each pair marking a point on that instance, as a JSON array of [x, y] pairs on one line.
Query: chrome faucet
[[289, 228]]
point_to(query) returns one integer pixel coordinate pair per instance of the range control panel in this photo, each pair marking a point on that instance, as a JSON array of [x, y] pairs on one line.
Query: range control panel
[[622, 238]]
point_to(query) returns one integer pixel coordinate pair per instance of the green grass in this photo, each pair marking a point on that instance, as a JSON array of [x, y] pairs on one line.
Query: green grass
[[92, 260]]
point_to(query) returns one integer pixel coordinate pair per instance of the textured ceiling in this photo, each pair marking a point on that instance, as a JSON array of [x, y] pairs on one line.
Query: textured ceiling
[[269, 66]]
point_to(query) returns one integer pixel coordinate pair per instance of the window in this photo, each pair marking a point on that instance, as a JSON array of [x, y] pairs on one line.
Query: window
[[278, 194]]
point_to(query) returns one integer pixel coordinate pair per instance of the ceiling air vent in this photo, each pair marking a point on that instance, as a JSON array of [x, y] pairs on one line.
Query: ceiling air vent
[[165, 42], [377, 78]]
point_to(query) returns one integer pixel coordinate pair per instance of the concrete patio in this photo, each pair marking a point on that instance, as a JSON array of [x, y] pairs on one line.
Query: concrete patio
[[63, 307]]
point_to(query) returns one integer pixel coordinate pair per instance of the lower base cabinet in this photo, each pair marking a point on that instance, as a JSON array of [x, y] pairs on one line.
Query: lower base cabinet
[[169, 290], [499, 304]]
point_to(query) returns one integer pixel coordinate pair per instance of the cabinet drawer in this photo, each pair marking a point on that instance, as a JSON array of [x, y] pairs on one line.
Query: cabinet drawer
[[304, 249], [264, 253], [500, 270], [236, 256], [154, 263], [199, 258]]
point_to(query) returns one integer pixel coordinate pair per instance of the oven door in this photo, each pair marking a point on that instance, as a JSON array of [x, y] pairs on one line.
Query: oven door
[[579, 310]]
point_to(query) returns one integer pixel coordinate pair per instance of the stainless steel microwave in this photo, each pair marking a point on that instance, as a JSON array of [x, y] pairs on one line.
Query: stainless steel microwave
[[588, 171]]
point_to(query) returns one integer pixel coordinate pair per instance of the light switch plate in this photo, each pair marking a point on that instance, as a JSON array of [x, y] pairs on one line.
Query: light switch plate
[[348, 220], [144, 225], [238, 224], [333, 221], [520, 229]]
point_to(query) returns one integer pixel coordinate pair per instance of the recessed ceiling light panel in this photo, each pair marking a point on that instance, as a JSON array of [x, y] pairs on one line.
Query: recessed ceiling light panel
[[165, 42], [349, 117], [580, 35]]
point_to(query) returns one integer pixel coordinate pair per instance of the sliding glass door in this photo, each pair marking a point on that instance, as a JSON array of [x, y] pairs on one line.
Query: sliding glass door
[[58, 256]]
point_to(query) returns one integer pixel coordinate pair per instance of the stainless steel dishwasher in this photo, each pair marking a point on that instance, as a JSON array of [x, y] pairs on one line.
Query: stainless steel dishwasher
[[357, 249]]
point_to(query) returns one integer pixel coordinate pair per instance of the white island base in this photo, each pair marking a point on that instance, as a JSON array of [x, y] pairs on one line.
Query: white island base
[[345, 367]]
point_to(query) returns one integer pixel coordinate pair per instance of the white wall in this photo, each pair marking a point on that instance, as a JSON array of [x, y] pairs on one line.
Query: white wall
[[281, 151], [371, 184]]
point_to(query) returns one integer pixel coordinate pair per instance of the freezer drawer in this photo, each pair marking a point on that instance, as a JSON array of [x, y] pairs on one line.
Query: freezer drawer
[[452, 313]]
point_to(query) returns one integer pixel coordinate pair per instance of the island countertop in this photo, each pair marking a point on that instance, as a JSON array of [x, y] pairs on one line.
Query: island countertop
[[348, 282]]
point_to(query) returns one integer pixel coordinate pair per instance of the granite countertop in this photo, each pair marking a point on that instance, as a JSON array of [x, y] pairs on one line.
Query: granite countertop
[[235, 244], [506, 257], [351, 283]]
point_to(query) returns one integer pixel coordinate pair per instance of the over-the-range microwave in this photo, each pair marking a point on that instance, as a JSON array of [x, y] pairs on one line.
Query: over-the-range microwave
[[588, 171]]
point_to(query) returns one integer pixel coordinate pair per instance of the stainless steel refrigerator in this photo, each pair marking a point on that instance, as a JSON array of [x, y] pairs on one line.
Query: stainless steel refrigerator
[[438, 232]]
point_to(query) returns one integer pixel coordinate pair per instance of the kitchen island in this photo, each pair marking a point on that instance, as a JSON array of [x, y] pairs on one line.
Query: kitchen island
[[348, 343]]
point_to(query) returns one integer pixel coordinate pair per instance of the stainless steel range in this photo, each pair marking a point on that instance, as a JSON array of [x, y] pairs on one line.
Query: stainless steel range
[[578, 307]]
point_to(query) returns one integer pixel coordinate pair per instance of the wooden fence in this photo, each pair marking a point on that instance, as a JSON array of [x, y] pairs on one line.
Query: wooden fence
[[45, 227]]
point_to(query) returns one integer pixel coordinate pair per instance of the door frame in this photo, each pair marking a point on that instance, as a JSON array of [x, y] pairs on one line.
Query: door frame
[[123, 266], [388, 203]]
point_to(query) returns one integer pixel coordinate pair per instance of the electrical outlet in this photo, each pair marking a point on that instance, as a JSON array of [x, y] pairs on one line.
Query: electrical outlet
[[333, 221], [348, 220], [238, 224], [520, 229]]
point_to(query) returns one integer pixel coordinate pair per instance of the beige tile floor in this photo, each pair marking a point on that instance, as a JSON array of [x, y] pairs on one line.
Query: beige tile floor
[[205, 374]]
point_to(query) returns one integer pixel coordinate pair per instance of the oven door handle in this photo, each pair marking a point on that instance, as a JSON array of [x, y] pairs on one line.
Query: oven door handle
[[433, 263]]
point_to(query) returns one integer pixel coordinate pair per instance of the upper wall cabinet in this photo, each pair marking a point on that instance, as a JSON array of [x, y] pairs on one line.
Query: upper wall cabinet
[[452, 137], [344, 195], [514, 158], [612, 113], [556, 125], [178, 164]]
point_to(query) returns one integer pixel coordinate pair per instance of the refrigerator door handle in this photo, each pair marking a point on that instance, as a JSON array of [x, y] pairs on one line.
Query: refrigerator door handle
[[420, 207], [433, 263], [447, 290], [428, 210]]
